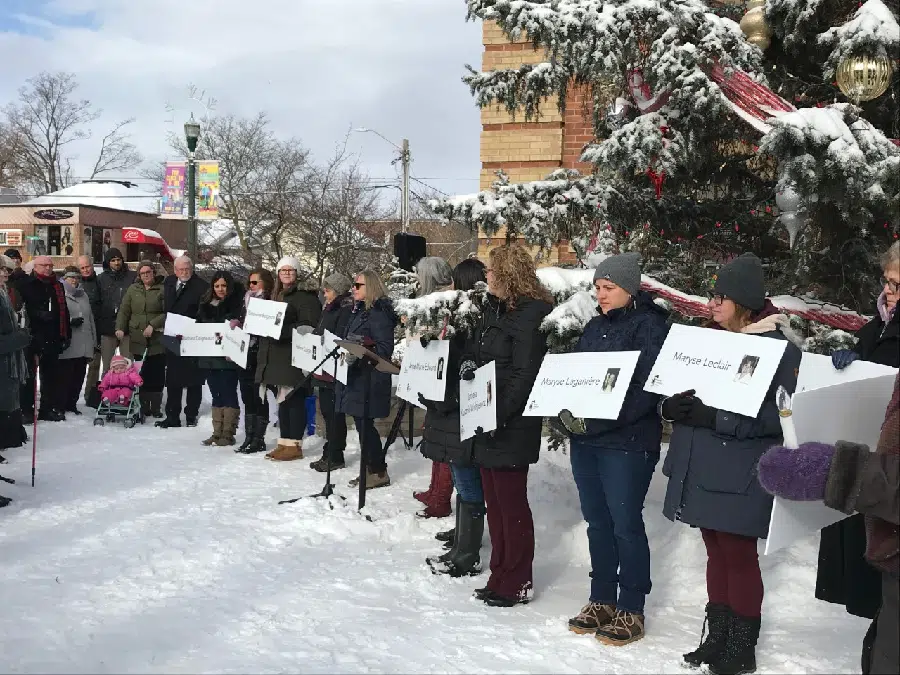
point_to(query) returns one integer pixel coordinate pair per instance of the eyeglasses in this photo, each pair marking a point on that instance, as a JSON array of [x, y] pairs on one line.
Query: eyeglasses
[[892, 286], [717, 298], [253, 283], [358, 285]]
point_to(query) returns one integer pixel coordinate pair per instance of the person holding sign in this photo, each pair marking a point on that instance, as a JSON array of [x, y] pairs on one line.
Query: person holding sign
[[851, 479], [274, 361], [372, 323], [844, 577], [711, 465], [509, 333], [613, 460], [221, 304]]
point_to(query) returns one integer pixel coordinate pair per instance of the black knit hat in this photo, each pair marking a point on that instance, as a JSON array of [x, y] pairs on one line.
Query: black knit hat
[[742, 281], [13, 253]]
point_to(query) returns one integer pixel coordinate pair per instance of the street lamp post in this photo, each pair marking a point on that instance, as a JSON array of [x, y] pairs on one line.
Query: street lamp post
[[405, 164], [192, 135]]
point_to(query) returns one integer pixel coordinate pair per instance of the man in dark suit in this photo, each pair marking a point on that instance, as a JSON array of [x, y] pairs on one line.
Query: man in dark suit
[[182, 294]]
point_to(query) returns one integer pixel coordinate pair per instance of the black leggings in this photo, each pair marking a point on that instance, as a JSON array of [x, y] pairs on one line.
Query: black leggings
[[292, 416]]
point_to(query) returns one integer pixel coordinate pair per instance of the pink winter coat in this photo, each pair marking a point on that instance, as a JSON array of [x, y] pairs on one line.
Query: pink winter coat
[[120, 386]]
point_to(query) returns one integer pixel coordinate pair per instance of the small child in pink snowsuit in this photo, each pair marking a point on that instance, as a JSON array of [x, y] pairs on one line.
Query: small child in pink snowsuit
[[118, 384]]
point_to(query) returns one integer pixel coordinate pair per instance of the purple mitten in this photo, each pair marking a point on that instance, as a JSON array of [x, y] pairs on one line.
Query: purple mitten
[[798, 475]]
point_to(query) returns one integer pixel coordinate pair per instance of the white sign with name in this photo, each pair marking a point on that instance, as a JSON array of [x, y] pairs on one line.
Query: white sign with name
[[851, 411], [306, 351], [204, 339], [424, 371], [337, 368], [729, 371], [264, 317], [235, 345], [587, 384], [817, 371], [176, 324], [478, 402]]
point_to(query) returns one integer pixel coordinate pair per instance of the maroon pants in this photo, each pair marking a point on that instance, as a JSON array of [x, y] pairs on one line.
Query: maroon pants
[[512, 531], [732, 572]]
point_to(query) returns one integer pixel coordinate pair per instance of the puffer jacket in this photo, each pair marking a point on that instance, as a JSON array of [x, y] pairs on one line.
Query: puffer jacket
[[273, 362], [712, 472], [514, 341], [142, 307], [112, 287], [879, 340], [642, 326], [84, 337]]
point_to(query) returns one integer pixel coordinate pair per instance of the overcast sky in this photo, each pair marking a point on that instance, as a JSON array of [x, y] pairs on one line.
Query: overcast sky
[[315, 66]]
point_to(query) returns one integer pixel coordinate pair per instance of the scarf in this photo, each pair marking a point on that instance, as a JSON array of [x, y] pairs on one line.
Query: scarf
[[13, 363], [883, 311], [60, 302], [883, 537]]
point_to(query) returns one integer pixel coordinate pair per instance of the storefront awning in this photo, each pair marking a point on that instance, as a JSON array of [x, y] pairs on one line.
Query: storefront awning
[[151, 238]]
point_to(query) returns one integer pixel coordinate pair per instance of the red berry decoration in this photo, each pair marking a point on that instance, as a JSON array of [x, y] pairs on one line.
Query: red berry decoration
[[768, 209], [718, 224]]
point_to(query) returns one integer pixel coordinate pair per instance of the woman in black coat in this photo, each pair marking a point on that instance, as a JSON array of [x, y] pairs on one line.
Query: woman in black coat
[[844, 577], [221, 304], [509, 334], [273, 366], [711, 466], [256, 406], [367, 394]]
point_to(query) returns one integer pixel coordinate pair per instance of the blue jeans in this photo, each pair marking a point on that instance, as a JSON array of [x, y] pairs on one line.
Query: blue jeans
[[612, 485], [223, 385], [467, 481]]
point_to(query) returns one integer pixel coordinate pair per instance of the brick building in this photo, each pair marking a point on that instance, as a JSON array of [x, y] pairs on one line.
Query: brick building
[[529, 151]]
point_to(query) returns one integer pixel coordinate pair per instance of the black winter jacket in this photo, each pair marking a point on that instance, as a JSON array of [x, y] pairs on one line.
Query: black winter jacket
[[112, 287], [712, 472], [879, 342], [273, 362], [182, 371], [48, 314], [642, 326], [513, 340], [335, 317], [440, 438], [230, 308]]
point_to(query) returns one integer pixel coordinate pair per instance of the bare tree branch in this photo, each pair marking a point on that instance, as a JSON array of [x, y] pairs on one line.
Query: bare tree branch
[[117, 153]]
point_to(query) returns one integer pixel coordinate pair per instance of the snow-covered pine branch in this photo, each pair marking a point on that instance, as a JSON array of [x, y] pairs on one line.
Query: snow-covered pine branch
[[872, 31]]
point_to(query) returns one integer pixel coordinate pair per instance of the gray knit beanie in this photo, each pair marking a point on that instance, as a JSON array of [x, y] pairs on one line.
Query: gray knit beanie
[[337, 282], [742, 280], [624, 270]]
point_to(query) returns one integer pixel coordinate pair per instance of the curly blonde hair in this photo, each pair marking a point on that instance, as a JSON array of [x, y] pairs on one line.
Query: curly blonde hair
[[514, 275]]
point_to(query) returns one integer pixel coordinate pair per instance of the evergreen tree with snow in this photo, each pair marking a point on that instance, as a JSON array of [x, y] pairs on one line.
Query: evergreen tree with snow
[[708, 145]]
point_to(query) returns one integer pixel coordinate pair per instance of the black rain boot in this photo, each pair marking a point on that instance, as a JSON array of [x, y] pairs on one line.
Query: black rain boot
[[739, 656], [440, 564], [258, 443], [465, 556], [249, 426], [713, 637]]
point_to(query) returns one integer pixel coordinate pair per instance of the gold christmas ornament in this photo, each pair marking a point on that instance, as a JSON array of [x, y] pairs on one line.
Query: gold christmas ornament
[[754, 25], [862, 78]]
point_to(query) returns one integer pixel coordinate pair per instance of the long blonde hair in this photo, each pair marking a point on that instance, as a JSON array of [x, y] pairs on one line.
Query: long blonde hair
[[514, 273], [375, 289]]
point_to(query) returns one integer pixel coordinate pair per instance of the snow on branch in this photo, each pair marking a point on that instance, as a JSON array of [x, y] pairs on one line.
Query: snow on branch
[[873, 31]]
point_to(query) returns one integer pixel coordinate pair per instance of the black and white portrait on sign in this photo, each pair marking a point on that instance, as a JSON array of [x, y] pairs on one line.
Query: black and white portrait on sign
[[746, 369], [609, 382], [440, 368]]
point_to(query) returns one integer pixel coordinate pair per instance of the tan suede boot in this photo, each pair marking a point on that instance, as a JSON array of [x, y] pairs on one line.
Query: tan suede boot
[[287, 451], [217, 417], [230, 419]]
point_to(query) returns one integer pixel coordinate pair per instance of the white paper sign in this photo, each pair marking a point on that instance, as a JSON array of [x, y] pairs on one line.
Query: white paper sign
[[587, 384], [264, 317], [235, 345], [306, 351], [729, 371], [424, 371], [176, 324], [816, 371], [336, 368], [204, 339], [478, 402], [850, 411]]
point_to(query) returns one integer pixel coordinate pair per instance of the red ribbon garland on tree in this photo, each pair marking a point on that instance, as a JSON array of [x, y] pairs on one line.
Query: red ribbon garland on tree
[[657, 180]]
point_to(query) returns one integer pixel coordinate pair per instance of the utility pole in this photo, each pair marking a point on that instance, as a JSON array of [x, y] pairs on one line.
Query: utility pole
[[192, 135], [404, 202]]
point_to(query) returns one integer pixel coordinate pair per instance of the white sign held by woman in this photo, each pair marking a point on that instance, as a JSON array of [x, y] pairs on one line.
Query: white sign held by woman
[[729, 371], [235, 345], [424, 371], [265, 317], [204, 339], [306, 351], [337, 368], [176, 324], [478, 402], [587, 384]]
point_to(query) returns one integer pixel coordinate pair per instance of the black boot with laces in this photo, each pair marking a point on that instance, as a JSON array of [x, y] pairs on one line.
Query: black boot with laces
[[713, 637]]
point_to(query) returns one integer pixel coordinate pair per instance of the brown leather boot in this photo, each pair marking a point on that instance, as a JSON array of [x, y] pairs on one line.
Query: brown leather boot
[[217, 417], [287, 451], [230, 417]]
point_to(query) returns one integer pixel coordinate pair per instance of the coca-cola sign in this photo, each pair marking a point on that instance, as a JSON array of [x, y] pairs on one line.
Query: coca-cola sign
[[53, 214]]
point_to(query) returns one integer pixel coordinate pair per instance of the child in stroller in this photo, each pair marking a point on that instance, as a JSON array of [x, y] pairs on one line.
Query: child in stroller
[[118, 385]]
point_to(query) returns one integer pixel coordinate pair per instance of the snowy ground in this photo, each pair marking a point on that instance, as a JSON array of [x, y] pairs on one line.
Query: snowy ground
[[140, 551]]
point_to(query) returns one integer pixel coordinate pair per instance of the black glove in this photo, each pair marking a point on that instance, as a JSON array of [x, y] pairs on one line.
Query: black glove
[[77, 321], [676, 408], [440, 407], [574, 425], [424, 340], [701, 415], [467, 370], [64, 345]]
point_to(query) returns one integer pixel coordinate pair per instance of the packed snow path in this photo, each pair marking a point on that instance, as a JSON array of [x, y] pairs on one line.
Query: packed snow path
[[141, 551]]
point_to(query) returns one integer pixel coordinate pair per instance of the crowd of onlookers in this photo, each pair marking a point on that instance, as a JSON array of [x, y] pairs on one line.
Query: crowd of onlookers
[[722, 468]]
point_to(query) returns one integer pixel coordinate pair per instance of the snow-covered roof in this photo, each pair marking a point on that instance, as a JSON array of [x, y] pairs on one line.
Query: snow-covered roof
[[106, 194]]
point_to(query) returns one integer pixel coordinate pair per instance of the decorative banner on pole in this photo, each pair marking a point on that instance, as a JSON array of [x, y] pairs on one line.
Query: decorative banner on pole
[[729, 371], [587, 384], [478, 402], [423, 371], [207, 190], [264, 317], [204, 339], [236, 345], [172, 202]]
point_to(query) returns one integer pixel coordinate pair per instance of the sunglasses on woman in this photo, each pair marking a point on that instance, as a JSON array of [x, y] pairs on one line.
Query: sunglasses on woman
[[253, 283], [358, 285]]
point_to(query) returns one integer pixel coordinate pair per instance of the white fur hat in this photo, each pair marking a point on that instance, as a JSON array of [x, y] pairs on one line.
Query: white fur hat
[[7, 262], [288, 261]]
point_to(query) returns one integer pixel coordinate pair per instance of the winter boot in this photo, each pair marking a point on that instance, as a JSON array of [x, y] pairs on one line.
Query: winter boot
[[425, 497], [465, 556], [592, 617], [287, 450], [258, 443], [321, 465], [249, 424], [739, 656], [440, 563], [713, 646], [438, 505], [217, 418], [625, 628], [446, 536], [373, 480], [230, 417]]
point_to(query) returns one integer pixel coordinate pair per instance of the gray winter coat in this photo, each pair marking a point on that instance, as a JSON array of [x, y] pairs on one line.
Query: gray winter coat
[[84, 337], [712, 472]]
